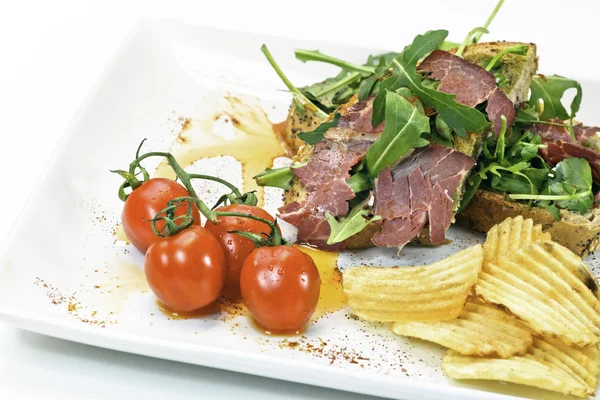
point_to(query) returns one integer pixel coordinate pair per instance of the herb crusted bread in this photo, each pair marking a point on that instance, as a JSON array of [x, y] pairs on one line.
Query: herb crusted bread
[[579, 233]]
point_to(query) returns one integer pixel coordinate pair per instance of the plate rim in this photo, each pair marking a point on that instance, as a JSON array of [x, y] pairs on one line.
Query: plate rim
[[228, 359]]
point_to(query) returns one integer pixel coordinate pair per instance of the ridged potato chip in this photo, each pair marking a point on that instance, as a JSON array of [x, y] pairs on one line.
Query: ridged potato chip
[[548, 364], [510, 235], [480, 329], [541, 284], [434, 292]]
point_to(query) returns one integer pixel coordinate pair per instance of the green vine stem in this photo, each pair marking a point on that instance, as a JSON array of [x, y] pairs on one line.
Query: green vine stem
[[167, 215], [171, 227]]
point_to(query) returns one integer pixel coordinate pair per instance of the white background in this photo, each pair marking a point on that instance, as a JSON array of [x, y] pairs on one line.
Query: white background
[[50, 55]]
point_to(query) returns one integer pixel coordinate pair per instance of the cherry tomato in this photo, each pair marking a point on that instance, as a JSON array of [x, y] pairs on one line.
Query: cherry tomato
[[144, 203], [280, 287], [236, 247], [186, 271]]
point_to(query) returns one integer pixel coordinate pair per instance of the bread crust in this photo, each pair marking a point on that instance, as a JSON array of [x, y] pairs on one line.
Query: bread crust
[[579, 233]]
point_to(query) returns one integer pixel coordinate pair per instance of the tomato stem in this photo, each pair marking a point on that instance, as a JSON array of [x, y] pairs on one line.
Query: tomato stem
[[167, 215], [186, 178], [171, 228]]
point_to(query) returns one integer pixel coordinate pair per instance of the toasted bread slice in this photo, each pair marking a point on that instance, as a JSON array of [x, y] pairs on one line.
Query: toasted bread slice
[[518, 70], [520, 75], [579, 233]]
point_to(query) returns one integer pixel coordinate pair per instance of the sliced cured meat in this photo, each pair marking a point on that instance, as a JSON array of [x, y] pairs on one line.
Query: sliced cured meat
[[471, 84], [358, 117], [498, 105], [400, 230], [583, 133], [553, 133], [392, 200], [420, 191], [324, 178], [325, 175], [559, 150], [440, 214], [312, 226], [432, 175]]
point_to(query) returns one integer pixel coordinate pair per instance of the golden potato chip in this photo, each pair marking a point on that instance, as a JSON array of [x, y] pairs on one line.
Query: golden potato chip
[[548, 364], [509, 236], [480, 329], [426, 293], [540, 285]]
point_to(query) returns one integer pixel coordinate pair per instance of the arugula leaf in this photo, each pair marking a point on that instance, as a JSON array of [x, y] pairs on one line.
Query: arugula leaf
[[458, 116], [509, 164], [366, 87], [519, 49], [470, 38], [472, 185], [419, 48], [447, 45], [569, 186], [404, 124], [277, 177], [316, 135], [360, 181], [300, 99], [316, 55], [489, 20], [356, 221], [550, 89], [325, 92]]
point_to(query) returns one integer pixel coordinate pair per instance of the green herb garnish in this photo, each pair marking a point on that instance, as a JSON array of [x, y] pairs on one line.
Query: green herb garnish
[[355, 222], [404, 124]]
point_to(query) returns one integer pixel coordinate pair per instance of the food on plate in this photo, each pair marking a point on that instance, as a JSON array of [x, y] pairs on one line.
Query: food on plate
[[532, 316], [388, 152], [389, 165], [539, 284], [186, 271], [144, 202], [548, 364], [240, 247], [434, 292], [480, 329], [510, 235], [280, 287], [237, 248]]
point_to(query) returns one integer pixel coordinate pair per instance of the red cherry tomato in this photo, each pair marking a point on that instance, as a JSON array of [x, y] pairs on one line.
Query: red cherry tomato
[[280, 287], [144, 203], [236, 247], [186, 271]]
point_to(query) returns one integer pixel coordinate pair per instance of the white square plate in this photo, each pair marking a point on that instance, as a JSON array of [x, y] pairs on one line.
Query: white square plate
[[78, 283]]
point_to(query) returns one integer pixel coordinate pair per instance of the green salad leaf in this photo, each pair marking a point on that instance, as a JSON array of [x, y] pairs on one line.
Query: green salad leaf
[[277, 177], [458, 116], [358, 219], [316, 55], [420, 47], [551, 89], [316, 135], [569, 186], [300, 98], [327, 93], [511, 164], [404, 124]]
